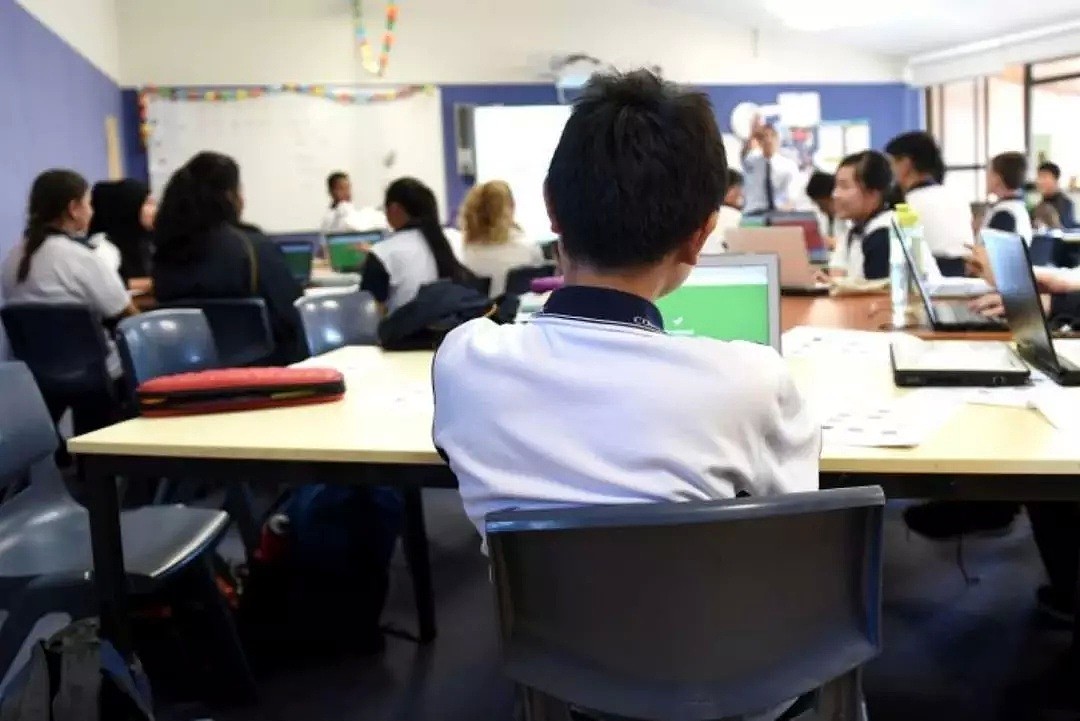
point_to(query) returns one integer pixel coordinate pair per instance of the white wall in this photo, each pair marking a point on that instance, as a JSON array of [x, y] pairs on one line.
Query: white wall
[[464, 41], [89, 26]]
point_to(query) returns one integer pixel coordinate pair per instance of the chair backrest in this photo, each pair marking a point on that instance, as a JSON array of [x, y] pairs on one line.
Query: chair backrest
[[1042, 249], [689, 610], [241, 328], [340, 319], [63, 345], [164, 342], [519, 280], [27, 434]]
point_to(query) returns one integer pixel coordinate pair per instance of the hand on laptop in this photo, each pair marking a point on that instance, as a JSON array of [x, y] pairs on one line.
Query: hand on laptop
[[989, 305], [1054, 280], [977, 264]]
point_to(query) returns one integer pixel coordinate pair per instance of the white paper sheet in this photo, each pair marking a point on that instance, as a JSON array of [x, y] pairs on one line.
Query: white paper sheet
[[902, 422]]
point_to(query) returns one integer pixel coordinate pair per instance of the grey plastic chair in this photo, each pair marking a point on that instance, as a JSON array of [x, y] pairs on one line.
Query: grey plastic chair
[[45, 557], [691, 611], [335, 321], [241, 328]]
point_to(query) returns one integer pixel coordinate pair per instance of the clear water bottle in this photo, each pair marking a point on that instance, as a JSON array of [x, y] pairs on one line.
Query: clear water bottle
[[898, 279], [912, 226]]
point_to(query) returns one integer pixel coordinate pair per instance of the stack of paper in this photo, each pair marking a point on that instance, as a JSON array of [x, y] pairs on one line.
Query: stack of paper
[[902, 422], [807, 341]]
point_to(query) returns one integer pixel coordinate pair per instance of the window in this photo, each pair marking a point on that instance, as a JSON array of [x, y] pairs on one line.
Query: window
[[1056, 68]]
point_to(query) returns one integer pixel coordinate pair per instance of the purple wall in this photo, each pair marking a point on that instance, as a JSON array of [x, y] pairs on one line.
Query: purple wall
[[52, 113]]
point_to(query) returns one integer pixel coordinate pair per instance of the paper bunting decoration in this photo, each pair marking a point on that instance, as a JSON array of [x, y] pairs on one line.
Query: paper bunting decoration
[[363, 43], [345, 96]]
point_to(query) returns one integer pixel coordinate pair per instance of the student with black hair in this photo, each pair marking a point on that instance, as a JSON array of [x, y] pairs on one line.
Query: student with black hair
[[819, 188], [1048, 181], [416, 254], [1005, 180], [343, 216], [203, 250], [729, 216], [644, 416], [860, 197], [946, 217], [121, 230], [55, 264]]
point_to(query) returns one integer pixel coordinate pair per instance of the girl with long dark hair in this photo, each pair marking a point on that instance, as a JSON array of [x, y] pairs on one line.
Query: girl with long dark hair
[[123, 220], [54, 263], [203, 250], [416, 254]]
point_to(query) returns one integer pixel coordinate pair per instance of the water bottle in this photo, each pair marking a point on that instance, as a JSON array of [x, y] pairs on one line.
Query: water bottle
[[898, 278], [913, 232]]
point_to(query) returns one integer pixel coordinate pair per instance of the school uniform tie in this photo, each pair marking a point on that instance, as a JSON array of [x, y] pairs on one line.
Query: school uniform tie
[[770, 199]]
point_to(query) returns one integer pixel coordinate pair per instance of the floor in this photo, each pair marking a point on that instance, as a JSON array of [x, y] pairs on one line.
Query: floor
[[952, 650]]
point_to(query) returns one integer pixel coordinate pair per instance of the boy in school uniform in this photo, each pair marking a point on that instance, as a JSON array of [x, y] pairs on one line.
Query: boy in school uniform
[[729, 216], [591, 402], [1048, 182], [343, 216], [1005, 180]]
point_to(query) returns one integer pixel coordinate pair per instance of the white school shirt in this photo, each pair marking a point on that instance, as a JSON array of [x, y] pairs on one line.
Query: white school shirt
[[494, 261], [727, 218], [109, 253], [591, 402], [64, 270], [945, 217], [1010, 215], [409, 263], [345, 217], [783, 174], [875, 237]]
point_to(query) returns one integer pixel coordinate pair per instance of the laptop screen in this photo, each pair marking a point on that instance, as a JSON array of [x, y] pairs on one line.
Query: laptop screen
[[346, 251], [1015, 282], [298, 258], [727, 298]]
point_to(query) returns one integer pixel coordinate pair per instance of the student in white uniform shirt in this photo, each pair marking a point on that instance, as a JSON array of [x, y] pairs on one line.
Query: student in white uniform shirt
[[729, 216], [945, 216], [417, 253], [1005, 180], [343, 216], [627, 413], [54, 262], [819, 188], [768, 175], [493, 243], [862, 184]]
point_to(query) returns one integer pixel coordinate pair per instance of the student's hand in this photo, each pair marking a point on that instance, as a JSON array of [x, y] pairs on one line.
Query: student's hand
[[989, 305], [821, 277], [1055, 281], [977, 264]]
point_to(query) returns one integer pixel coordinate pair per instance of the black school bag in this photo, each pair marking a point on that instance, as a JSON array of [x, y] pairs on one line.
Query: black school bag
[[438, 308]]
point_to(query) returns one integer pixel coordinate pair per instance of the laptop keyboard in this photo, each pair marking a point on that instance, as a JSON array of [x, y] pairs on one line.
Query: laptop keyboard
[[960, 314]]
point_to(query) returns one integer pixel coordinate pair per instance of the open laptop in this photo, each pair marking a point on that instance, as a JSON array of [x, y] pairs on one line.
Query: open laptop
[[917, 363], [945, 315], [348, 251], [815, 243], [298, 256], [727, 297], [788, 244], [1015, 281]]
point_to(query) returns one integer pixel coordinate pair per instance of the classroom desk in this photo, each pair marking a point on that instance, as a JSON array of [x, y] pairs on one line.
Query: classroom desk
[[381, 433]]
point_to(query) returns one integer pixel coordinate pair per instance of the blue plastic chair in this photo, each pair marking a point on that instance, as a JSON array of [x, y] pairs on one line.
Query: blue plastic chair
[[338, 320], [241, 328], [691, 611], [45, 559]]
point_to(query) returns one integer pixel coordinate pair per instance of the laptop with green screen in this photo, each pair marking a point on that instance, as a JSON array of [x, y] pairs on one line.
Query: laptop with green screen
[[298, 256], [347, 251], [727, 297]]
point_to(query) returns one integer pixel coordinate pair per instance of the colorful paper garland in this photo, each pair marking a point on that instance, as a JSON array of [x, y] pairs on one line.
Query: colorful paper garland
[[367, 59]]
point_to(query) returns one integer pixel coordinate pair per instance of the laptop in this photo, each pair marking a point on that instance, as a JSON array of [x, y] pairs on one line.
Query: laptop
[[298, 256], [788, 244], [945, 315], [727, 297], [815, 244], [348, 251], [918, 363], [1015, 281]]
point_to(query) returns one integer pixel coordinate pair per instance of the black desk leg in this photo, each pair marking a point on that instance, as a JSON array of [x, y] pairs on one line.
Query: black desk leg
[[110, 579], [415, 543]]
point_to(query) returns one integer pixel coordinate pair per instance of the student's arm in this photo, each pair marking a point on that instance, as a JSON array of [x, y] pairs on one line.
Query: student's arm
[[1067, 212], [788, 461], [279, 289], [875, 247], [376, 279], [102, 287], [1004, 221]]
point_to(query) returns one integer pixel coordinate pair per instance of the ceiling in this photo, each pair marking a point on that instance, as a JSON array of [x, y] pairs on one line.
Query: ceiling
[[910, 28]]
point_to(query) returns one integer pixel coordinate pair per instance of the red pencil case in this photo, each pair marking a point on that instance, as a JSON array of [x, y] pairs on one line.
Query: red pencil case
[[237, 389]]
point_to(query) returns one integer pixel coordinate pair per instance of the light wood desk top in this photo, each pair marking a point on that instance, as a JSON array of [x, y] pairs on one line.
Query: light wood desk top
[[386, 418]]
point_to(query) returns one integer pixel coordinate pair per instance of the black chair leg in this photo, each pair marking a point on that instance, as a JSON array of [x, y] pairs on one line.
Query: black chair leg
[[240, 505], [842, 699], [219, 619], [536, 706]]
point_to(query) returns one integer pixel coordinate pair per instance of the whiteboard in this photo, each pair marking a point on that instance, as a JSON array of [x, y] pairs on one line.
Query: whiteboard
[[287, 145], [515, 144]]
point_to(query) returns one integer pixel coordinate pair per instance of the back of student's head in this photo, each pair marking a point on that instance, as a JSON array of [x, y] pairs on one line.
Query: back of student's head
[[922, 151], [1011, 168], [51, 199], [639, 169], [202, 195], [487, 215], [734, 177], [411, 204], [820, 185]]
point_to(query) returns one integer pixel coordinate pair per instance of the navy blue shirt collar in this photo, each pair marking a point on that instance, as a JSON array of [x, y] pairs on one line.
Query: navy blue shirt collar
[[858, 228], [605, 305]]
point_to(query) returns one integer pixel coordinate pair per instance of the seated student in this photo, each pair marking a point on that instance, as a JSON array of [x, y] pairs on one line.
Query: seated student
[[121, 229], [634, 414], [729, 216], [1005, 180], [493, 243], [862, 184], [343, 216], [54, 263], [945, 216], [416, 254], [1048, 182], [819, 188], [204, 251]]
